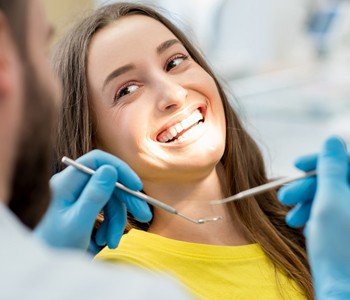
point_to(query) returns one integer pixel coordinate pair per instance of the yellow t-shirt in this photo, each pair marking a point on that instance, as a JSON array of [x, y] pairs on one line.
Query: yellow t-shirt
[[209, 271]]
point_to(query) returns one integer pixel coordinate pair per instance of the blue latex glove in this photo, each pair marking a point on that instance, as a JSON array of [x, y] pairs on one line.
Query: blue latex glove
[[301, 193], [327, 221], [78, 198]]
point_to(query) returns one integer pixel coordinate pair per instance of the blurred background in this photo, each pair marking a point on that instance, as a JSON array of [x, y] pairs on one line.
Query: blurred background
[[287, 63]]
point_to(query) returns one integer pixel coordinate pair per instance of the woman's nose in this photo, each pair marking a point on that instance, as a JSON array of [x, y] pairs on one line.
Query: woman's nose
[[172, 95]]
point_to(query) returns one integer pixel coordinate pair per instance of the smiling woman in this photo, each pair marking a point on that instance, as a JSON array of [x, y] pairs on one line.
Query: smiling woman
[[136, 87]]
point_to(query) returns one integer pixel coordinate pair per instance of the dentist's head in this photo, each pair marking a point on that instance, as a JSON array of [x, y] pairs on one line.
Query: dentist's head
[[28, 96]]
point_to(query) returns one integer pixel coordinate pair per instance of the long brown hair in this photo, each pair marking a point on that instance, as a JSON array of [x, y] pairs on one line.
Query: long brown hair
[[16, 13], [263, 217]]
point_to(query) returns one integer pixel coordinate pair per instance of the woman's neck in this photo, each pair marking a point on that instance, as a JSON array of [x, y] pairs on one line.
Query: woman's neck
[[193, 199]]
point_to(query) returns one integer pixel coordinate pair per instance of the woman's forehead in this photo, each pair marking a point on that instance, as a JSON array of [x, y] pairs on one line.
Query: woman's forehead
[[134, 29], [128, 40]]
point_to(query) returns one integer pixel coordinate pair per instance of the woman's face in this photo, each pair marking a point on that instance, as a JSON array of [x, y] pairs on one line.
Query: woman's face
[[155, 107]]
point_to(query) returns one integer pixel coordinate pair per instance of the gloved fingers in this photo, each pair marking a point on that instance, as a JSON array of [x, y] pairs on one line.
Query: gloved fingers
[[333, 163], [68, 184], [299, 215], [299, 191], [306, 230], [116, 220], [115, 215], [101, 233], [307, 162], [74, 180], [126, 175], [93, 248], [137, 207], [94, 197]]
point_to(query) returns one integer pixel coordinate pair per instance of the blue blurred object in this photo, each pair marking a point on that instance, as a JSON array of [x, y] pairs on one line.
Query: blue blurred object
[[300, 193], [327, 219], [320, 22], [327, 230]]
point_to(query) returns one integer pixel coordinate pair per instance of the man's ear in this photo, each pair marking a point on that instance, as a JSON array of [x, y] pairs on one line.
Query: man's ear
[[6, 54]]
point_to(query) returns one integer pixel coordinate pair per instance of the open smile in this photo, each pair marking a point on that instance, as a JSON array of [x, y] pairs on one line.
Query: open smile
[[180, 130]]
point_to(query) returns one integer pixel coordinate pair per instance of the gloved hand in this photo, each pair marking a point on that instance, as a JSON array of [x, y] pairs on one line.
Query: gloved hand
[[300, 193], [77, 198], [328, 224]]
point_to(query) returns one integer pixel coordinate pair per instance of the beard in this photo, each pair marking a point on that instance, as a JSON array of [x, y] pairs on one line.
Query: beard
[[30, 191]]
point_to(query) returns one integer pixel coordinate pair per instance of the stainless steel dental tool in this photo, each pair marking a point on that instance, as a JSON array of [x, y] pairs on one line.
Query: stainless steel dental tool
[[264, 188], [148, 199]]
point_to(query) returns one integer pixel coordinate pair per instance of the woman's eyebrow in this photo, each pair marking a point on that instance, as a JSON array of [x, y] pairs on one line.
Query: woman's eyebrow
[[118, 72], [166, 45]]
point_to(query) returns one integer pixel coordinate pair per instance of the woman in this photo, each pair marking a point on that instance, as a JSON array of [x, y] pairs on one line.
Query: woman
[[136, 87]]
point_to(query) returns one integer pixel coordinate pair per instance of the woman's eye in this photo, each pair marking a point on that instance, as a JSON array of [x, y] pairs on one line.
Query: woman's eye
[[174, 62], [126, 90]]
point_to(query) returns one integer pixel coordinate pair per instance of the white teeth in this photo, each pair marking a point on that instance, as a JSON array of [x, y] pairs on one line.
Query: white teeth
[[194, 118], [169, 136], [186, 123], [180, 127], [180, 139], [184, 135], [173, 131]]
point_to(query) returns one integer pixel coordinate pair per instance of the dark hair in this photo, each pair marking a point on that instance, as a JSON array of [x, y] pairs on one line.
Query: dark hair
[[15, 12], [263, 217], [30, 193]]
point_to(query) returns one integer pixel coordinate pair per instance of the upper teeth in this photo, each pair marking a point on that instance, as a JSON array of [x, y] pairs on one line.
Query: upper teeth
[[174, 130]]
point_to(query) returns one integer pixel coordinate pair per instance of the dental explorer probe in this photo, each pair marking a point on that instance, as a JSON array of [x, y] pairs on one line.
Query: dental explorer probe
[[67, 161], [264, 188]]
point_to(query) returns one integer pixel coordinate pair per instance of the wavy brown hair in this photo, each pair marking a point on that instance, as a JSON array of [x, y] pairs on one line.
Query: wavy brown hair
[[263, 217]]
